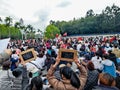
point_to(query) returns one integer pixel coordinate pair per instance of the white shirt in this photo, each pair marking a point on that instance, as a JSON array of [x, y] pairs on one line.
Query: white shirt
[[55, 49], [78, 47], [15, 56], [97, 62], [107, 49], [39, 62]]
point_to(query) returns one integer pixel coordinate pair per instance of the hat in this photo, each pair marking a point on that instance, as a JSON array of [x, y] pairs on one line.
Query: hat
[[62, 65], [31, 68]]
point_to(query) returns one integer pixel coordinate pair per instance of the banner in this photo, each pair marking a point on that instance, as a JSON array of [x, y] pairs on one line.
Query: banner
[[3, 44]]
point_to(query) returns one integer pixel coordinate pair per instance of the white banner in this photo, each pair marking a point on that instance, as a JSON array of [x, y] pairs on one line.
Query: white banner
[[3, 44]]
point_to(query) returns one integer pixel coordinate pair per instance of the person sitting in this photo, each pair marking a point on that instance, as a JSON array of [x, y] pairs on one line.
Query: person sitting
[[70, 80], [112, 57], [108, 66], [36, 66], [92, 78], [49, 60], [118, 78], [14, 60], [17, 81], [21, 75], [106, 82], [116, 51], [36, 84], [96, 60]]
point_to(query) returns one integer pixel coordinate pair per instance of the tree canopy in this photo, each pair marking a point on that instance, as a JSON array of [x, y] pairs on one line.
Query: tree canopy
[[108, 21], [51, 31], [8, 29]]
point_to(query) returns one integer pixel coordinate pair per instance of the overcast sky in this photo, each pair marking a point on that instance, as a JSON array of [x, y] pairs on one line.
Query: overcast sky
[[39, 12]]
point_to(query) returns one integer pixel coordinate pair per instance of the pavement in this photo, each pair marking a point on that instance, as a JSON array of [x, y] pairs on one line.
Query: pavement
[[8, 81], [5, 79]]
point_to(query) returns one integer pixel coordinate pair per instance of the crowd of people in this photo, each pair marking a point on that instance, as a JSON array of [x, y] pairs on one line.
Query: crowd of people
[[96, 66]]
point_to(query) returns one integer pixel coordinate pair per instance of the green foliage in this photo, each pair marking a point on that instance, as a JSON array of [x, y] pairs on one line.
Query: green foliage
[[51, 31], [108, 21], [13, 31], [4, 32]]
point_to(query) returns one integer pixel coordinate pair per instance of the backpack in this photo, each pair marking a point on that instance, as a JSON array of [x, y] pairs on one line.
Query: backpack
[[6, 65]]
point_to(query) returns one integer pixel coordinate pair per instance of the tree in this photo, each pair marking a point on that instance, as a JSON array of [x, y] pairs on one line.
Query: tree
[[52, 22], [90, 13], [17, 25], [22, 27], [8, 22], [51, 31], [40, 33], [0, 30], [29, 30], [0, 20], [116, 17]]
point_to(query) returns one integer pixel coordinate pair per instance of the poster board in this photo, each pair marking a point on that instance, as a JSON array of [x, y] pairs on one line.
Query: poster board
[[27, 56], [67, 54]]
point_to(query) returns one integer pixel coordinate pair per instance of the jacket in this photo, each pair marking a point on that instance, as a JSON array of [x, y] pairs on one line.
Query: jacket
[[116, 52], [65, 84], [102, 87], [109, 67], [92, 79]]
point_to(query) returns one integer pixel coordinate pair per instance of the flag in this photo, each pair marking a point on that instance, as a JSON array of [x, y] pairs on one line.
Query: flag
[[65, 34], [57, 35], [80, 38], [4, 44]]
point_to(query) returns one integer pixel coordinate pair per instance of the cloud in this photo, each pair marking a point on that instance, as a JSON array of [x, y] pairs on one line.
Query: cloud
[[43, 15], [64, 4], [42, 18], [5, 8], [39, 12]]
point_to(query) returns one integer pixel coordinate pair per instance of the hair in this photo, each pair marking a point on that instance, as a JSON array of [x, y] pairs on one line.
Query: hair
[[106, 79], [98, 55], [90, 66], [17, 72], [109, 51], [70, 74], [105, 56], [115, 45], [48, 56], [30, 75], [14, 51], [41, 54], [36, 83], [99, 48], [117, 79], [53, 53], [118, 68]]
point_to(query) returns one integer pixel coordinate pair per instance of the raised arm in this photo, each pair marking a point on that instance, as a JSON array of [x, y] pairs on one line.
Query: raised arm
[[55, 83], [83, 73]]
